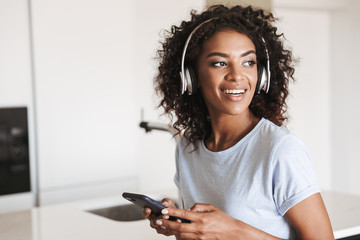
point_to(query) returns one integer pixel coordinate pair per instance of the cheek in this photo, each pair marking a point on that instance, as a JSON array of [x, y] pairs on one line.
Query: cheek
[[208, 79], [208, 87], [252, 78], [201, 77]]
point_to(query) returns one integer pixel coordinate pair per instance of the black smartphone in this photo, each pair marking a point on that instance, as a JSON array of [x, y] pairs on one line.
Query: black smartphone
[[144, 201]]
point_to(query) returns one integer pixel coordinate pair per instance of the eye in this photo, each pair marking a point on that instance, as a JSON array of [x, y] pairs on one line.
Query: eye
[[218, 64], [249, 63]]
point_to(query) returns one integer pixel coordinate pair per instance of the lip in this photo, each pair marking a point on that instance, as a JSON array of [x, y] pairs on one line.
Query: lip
[[233, 87], [234, 98]]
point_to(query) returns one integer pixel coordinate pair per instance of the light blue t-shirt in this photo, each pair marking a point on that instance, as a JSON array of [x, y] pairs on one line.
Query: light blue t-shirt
[[256, 181]]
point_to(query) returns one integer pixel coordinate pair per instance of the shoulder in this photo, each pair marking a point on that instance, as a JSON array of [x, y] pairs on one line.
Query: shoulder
[[292, 164], [280, 144], [184, 145], [271, 130], [271, 138], [290, 148]]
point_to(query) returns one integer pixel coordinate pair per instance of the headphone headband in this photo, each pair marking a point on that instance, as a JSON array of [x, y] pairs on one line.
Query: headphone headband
[[186, 85], [265, 83]]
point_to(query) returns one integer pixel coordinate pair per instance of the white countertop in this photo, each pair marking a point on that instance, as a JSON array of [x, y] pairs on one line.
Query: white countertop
[[71, 221]]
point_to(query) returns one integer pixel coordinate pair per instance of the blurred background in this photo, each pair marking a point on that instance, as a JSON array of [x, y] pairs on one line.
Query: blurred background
[[81, 72]]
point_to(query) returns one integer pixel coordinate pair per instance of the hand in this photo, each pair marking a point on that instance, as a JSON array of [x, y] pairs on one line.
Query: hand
[[207, 222], [152, 218]]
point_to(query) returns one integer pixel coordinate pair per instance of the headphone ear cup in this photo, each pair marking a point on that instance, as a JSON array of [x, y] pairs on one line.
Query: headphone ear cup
[[260, 71], [262, 82], [191, 83]]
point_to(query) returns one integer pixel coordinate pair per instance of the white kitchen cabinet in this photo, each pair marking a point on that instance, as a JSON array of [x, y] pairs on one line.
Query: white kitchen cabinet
[[94, 71], [85, 96], [16, 81]]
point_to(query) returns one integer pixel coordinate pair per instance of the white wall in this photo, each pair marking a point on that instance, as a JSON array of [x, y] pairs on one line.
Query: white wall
[[309, 100], [345, 97], [85, 101], [156, 150], [93, 73], [325, 35], [15, 80], [265, 4]]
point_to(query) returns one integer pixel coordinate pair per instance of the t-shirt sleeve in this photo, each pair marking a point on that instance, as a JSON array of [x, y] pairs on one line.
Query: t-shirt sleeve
[[294, 177]]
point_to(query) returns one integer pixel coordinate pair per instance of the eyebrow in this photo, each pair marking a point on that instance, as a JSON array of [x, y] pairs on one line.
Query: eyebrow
[[225, 55]]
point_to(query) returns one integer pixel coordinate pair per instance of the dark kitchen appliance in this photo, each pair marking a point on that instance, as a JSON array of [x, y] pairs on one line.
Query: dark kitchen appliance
[[14, 151]]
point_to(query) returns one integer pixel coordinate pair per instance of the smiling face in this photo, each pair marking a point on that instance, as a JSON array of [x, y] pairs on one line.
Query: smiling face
[[227, 73]]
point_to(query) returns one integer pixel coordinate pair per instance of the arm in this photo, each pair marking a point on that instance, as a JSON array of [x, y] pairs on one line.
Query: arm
[[209, 222], [310, 219]]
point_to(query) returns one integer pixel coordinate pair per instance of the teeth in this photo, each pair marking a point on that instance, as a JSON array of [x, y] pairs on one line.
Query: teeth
[[233, 91]]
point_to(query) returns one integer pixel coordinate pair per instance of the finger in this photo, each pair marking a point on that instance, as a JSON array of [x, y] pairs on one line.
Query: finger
[[160, 228], [199, 207], [167, 202], [153, 222], [176, 227], [163, 230], [146, 212], [187, 236], [182, 213]]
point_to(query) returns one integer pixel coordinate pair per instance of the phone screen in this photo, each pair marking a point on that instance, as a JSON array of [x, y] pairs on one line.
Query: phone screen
[[144, 201]]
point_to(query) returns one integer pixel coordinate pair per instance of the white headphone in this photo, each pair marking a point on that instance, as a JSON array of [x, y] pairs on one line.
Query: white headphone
[[188, 76]]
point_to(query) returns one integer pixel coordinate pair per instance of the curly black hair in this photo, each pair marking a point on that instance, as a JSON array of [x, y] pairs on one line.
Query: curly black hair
[[190, 111]]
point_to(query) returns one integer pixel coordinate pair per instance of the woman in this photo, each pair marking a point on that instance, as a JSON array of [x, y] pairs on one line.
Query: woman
[[239, 173]]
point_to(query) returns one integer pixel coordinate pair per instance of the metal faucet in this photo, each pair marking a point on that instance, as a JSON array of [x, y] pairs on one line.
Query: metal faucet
[[149, 126]]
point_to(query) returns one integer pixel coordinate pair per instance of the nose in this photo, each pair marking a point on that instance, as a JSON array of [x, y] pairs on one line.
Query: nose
[[235, 74]]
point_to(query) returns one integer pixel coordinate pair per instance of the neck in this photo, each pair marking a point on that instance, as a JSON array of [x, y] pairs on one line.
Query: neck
[[227, 130]]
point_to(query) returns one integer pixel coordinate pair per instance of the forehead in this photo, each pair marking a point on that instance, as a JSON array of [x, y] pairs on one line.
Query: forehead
[[228, 41]]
